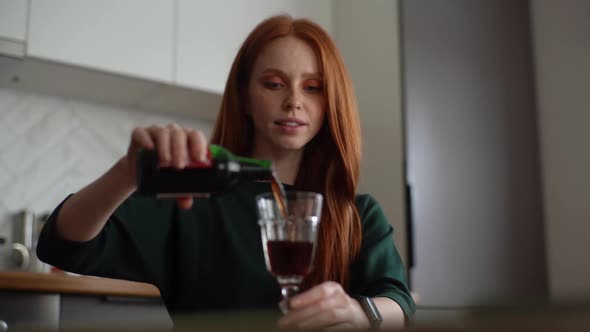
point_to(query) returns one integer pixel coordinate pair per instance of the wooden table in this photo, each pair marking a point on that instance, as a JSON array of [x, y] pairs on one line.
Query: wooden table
[[64, 283]]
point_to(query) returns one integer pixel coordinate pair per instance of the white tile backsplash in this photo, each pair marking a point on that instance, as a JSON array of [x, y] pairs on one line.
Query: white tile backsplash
[[53, 146]]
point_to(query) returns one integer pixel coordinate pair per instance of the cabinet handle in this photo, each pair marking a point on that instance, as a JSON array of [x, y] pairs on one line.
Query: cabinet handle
[[20, 256], [3, 326]]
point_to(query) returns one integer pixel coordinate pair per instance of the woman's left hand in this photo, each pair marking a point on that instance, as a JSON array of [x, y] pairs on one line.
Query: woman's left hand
[[325, 306]]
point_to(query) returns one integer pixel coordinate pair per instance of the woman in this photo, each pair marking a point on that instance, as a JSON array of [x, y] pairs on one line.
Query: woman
[[288, 99]]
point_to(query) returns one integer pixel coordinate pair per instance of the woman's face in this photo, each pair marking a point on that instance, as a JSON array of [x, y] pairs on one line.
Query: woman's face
[[286, 98]]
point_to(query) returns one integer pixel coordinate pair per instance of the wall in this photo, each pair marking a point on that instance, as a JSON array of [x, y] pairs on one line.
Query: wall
[[367, 33], [472, 152], [562, 53], [50, 147]]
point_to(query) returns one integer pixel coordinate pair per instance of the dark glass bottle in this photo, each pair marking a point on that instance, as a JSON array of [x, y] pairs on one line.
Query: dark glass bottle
[[221, 173]]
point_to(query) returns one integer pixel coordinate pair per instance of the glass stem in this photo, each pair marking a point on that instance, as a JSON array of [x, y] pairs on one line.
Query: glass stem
[[287, 291]]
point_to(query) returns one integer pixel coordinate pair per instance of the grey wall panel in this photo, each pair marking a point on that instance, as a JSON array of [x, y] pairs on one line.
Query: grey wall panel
[[472, 151]]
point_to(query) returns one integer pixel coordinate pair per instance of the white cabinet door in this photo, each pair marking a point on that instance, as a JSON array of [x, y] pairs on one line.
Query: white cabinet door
[[13, 19], [211, 32], [131, 37]]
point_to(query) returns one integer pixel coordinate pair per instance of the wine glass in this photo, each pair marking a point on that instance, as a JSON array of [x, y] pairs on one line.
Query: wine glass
[[288, 241]]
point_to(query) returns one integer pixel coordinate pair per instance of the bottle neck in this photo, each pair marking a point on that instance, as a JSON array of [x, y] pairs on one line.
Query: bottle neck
[[218, 153], [241, 169], [254, 172]]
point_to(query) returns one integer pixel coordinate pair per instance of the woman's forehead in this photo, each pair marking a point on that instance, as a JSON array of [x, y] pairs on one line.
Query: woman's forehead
[[290, 55]]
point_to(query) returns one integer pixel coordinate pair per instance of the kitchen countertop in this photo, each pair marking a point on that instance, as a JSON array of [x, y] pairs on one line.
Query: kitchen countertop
[[68, 284]]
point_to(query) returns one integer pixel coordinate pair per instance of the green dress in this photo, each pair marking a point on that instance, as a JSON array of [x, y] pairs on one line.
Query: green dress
[[210, 258]]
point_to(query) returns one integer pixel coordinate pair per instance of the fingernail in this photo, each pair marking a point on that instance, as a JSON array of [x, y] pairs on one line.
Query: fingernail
[[181, 164]]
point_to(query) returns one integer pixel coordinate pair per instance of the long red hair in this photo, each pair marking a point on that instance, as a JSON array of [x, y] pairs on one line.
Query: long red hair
[[331, 160]]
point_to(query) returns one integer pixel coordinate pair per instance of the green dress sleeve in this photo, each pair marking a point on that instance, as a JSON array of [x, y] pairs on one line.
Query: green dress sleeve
[[378, 271], [133, 245]]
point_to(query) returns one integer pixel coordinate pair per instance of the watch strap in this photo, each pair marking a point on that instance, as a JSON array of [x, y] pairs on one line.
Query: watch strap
[[371, 311]]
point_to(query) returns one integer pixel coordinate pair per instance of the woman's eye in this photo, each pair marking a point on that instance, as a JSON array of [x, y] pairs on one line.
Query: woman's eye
[[272, 85], [314, 88]]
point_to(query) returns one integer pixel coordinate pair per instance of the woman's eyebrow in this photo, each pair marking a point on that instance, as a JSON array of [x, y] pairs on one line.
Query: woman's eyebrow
[[313, 75], [273, 71], [282, 73]]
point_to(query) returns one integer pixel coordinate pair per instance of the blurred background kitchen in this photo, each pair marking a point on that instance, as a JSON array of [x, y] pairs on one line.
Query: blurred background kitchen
[[474, 114]]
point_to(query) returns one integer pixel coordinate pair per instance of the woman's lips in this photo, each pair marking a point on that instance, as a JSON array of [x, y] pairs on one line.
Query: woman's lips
[[290, 127]]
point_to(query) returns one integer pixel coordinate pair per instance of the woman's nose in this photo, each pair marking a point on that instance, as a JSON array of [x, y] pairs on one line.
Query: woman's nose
[[292, 101]]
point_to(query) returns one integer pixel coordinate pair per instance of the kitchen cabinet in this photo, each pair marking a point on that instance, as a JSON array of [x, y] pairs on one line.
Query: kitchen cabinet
[[133, 37], [55, 300], [209, 34], [13, 27], [13, 19], [157, 55], [20, 310]]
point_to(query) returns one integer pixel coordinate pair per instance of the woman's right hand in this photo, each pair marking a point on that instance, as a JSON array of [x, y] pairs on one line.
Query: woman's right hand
[[176, 146]]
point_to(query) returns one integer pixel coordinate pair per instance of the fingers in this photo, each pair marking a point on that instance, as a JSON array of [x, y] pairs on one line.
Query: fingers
[[315, 294], [176, 146], [197, 145], [325, 305], [141, 138], [161, 135], [184, 203], [321, 313], [341, 327]]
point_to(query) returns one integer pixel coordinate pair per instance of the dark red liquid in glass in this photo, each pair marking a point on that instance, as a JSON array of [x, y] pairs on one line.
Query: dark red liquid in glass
[[288, 258]]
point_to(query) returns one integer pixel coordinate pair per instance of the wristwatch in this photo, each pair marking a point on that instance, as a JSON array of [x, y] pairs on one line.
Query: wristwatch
[[371, 311]]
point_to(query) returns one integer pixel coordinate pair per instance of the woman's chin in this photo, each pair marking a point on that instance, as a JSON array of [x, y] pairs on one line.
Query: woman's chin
[[290, 145]]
